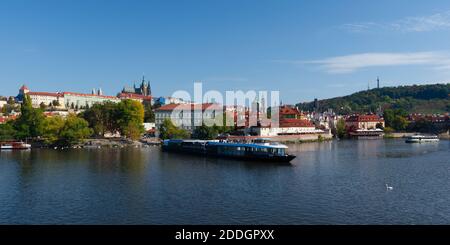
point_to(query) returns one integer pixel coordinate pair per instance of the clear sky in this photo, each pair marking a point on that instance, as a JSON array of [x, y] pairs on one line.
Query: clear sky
[[304, 49]]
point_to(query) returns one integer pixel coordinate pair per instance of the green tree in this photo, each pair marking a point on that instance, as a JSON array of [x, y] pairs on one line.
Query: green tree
[[43, 106], [65, 131], [51, 129], [168, 130], [340, 128], [7, 131], [149, 114], [11, 101], [130, 118], [126, 117], [396, 119], [9, 106], [56, 103], [102, 117], [29, 123], [205, 133], [75, 129], [400, 123], [97, 119], [388, 130], [424, 126]]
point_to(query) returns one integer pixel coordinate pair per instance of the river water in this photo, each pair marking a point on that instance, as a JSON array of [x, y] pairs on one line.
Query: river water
[[336, 182]]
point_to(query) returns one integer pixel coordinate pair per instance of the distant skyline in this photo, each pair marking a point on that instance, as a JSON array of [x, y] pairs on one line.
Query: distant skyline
[[304, 49]]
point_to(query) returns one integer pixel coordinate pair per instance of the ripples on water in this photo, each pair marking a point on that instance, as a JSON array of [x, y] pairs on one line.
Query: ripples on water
[[339, 182]]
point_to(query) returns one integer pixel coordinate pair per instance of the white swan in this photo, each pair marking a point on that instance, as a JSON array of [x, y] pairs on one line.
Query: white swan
[[389, 188]]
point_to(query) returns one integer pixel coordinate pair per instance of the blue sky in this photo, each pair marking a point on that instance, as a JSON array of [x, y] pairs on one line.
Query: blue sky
[[304, 49]]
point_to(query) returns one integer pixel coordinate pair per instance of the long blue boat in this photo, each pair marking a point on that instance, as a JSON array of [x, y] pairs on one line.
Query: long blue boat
[[258, 150]]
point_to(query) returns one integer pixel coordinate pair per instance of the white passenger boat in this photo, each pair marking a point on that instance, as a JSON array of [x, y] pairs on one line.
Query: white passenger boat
[[421, 139]]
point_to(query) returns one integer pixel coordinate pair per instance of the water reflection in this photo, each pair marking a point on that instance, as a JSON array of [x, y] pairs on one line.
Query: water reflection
[[335, 182]]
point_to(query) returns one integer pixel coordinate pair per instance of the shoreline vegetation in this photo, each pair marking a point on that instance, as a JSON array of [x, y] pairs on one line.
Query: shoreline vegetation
[[125, 118], [425, 99]]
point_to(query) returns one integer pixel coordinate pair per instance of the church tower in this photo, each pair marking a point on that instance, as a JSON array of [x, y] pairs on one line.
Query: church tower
[[145, 88]]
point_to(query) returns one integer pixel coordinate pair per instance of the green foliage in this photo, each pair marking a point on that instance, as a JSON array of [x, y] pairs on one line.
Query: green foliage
[[130, 118], [7, 131], [205, 133], [102, 118], [320, 138], [126, 117], [388, 130], [149, 115], [65, 131], [11, 101], [340, 128], [223, 120], [417, 98], [29, 123], [396, 119], [51, 129], [168, 130], [423, 126], [75, 129], [43, 106], [9, 107], [56, 103]]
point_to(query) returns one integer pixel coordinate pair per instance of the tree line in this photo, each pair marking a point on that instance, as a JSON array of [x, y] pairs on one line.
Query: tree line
[[432, 98], [125, 117]]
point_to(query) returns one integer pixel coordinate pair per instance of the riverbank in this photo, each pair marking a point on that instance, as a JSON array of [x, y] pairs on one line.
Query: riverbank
[[118, 142], [103, 143], [396, 135]]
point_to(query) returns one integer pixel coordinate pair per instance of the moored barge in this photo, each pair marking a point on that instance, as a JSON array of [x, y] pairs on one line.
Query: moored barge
[[259, 150]]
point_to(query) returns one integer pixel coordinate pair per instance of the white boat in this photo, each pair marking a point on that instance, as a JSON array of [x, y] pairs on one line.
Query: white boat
[[421, 139], [12, 145]]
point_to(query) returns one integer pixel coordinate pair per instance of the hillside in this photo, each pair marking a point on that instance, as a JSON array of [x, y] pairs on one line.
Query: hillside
[[433, 98]]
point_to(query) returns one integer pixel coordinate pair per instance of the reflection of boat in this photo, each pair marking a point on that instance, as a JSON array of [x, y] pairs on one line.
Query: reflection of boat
[[421, 138], [13, 145], [258, 150]]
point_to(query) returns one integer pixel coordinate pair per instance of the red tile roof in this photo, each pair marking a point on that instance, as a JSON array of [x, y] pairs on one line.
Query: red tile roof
[[45, 94], [24, 87], [134, 96], [4, 119], [429, 117], [364, 118], [293, 122], [287, 110]]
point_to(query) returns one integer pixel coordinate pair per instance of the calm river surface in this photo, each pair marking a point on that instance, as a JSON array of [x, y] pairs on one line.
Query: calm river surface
[[339, 182]]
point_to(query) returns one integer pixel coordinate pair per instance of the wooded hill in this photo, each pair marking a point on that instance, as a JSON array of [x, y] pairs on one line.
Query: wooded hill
[[434, 98]]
